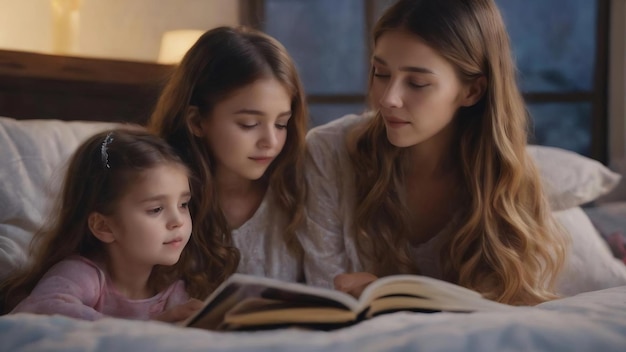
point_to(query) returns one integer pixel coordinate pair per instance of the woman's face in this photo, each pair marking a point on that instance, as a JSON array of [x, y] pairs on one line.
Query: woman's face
[[417, 91], [247, 130]]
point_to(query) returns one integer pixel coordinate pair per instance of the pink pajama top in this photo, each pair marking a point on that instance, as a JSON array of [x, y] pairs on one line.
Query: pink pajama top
[[78, 288]]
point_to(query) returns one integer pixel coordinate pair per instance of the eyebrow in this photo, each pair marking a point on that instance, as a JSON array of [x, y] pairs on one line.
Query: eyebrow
[[405, 68], [160, 197], [259, 113]]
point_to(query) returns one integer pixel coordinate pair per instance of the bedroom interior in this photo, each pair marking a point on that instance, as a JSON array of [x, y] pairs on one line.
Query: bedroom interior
[[91, 65]]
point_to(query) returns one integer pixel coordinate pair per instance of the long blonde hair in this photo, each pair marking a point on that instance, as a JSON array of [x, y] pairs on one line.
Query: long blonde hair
[[507, 245], [222, 60]]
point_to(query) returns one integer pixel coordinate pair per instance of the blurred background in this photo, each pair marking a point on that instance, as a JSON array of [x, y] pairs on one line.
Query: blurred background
[[570, 53]]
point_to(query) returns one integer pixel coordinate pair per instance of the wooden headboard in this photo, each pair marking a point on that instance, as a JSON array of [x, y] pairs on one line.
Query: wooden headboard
[[40, 86]]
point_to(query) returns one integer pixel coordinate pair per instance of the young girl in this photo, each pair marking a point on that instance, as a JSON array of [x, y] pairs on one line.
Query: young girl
[[234, 109], [114, 245], [436, 180]]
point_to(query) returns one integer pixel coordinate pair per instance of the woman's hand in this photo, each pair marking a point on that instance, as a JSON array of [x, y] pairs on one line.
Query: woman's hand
[[353, 283], [180, 312]]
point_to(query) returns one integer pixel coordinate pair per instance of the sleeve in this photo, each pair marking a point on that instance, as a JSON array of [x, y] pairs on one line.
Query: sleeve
[[324, 249], [72, 288]]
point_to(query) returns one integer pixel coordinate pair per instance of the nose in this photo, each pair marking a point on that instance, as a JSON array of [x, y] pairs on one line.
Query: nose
[[391, 96], [269, 138], [175, 220]]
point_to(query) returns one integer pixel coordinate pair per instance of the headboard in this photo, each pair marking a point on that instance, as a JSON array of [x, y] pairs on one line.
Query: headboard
[[41, 86]]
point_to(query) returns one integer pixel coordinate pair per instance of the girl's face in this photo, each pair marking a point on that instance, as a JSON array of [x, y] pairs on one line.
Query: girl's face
[[151, 223], [416, 90], [248, 129]]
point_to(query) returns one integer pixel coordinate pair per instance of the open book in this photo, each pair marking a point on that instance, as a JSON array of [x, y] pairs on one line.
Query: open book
[[246, 302]]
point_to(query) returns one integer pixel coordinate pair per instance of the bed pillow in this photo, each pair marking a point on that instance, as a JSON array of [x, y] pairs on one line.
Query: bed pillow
[[619, 193], [570, 179], [34, 152], [590, 265], [32, 158], [610, 220]]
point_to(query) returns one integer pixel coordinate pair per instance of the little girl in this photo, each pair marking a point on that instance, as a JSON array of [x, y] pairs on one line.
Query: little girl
[[114, 244], [235, 111]]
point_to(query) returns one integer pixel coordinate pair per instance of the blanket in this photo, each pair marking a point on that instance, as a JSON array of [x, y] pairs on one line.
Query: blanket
[[592, 321]]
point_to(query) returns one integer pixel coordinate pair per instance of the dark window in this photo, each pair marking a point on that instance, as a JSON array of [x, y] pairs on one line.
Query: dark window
[[560, 48]]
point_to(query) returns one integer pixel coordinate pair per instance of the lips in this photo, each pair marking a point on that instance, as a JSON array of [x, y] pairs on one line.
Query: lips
[[262, 158], [174, 241], [395, 120]]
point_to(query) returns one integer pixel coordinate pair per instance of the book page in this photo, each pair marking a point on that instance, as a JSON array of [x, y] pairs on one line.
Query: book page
[[390, 304], [423, 292], [261, 311], [243, 288]]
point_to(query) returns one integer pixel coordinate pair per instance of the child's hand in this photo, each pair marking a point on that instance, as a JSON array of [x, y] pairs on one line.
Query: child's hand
[[180, 312], [353, 283]]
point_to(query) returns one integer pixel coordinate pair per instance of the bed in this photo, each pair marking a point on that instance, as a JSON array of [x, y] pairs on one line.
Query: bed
[[594, 321], [591, 316]]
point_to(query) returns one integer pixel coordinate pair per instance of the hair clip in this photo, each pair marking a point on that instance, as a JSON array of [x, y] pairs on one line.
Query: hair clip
[[103, 149]]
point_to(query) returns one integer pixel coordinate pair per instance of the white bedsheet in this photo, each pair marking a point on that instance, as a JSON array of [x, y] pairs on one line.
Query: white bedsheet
[[593, 321]]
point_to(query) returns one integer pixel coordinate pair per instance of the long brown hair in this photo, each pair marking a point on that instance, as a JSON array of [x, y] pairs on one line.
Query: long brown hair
[[507, 246], [223, 60], [95, 180]]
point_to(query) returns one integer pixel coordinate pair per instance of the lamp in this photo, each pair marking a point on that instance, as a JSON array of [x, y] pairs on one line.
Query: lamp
[[174, 44], [65, 23]]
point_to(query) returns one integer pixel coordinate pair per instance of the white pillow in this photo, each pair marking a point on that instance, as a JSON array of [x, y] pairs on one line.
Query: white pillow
[[33, 154], [619, 193], [570, 179], [590, 265]]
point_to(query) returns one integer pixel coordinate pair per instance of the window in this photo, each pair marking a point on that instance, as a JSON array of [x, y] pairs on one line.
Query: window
[[560, 47]]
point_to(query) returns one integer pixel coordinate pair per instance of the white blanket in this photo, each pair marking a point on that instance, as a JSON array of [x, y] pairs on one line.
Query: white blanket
[[593, 321]]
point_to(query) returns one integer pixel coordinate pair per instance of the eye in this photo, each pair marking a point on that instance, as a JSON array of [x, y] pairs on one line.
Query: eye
[[281, 126], [185, 205], [155, 211], [248, 126], [417, 85], [381, 75]]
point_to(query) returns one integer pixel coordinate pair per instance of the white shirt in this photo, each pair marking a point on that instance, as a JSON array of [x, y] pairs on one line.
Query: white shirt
[[329, 245], [260, 241]]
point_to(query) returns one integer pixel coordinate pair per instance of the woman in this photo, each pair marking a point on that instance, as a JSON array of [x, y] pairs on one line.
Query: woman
[[436, 179]]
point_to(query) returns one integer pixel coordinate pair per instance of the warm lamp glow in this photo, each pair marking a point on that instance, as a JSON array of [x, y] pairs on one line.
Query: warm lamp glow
[[175, 44], [65, 25]]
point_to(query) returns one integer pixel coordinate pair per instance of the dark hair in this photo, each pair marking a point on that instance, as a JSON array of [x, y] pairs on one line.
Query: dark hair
[[223, 60], [100, 171]]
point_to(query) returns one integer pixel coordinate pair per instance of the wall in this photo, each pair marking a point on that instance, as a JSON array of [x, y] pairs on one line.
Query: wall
[[617, 85], [118, 29], [132, 29]]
